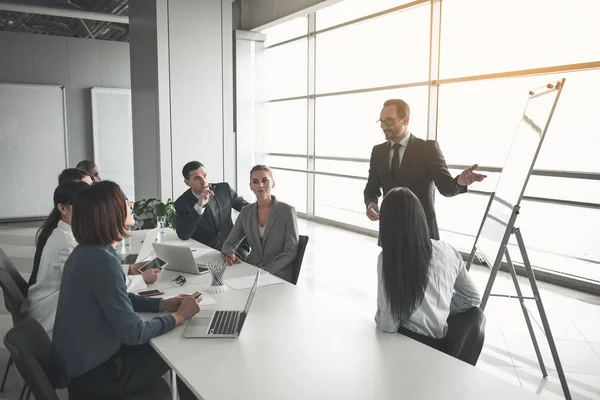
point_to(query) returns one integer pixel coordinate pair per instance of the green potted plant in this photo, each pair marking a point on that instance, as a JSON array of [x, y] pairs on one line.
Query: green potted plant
[[147, 210]]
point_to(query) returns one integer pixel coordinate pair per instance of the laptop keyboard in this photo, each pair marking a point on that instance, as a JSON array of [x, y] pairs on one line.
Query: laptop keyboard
[[223, 323]]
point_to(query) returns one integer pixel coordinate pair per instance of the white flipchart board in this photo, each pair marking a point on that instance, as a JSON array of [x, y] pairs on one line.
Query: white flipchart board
[[113, 136], [33, 148]]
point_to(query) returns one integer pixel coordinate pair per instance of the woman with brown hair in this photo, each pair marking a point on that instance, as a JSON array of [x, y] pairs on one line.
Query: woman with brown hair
[[100, 344]]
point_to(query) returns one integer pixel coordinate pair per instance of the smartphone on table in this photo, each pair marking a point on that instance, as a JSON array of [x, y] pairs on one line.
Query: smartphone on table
[[153, 292]]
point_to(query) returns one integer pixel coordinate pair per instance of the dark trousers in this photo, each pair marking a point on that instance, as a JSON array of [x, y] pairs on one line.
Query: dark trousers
[[134, 372]]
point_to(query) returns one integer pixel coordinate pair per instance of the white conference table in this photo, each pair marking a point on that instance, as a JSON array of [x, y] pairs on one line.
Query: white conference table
[[294, 347]]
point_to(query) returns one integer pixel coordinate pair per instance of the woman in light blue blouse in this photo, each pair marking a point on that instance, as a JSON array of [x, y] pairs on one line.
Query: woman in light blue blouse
[[421, 281]]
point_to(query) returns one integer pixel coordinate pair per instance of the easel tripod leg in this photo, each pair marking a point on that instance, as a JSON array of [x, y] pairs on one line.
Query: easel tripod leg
[[513, 274], [544, 318]]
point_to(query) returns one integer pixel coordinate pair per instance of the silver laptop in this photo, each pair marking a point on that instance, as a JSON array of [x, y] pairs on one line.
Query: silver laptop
[[145, 250], [178, 258], [220, 324]]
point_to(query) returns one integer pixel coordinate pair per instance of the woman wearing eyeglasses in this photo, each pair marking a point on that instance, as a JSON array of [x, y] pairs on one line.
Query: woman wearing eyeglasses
[[100, 344], [270, 227]]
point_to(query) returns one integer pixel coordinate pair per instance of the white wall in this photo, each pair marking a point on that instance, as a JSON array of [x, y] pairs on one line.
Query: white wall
[[182, 56], [76, 64]]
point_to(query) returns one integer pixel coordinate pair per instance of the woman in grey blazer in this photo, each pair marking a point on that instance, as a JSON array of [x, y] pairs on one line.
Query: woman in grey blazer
[[269, 226]]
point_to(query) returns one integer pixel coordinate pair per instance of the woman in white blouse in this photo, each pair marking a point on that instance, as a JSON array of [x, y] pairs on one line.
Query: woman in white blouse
[[421, 281], [54, 244]]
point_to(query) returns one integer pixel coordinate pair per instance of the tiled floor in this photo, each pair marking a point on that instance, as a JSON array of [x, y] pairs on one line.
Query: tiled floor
[[339, 267]]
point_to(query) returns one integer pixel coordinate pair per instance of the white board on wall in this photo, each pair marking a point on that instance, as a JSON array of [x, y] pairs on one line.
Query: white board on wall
[[33, 148], [113, 136]]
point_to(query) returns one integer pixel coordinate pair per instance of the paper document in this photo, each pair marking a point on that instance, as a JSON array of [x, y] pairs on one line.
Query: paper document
[[246, 282], [206, 299]]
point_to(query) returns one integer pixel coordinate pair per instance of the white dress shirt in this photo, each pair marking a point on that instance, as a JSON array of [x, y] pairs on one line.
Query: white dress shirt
[[42, 297], [199, 210], [401, 150], [449, 291]]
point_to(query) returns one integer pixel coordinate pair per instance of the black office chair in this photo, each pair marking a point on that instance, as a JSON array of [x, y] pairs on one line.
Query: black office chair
[[465, 336], [297, 263], [30, 349], [13, 299], [7, 265]]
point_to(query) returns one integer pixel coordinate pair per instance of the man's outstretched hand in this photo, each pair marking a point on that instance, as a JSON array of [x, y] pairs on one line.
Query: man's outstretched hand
[[468, 176]]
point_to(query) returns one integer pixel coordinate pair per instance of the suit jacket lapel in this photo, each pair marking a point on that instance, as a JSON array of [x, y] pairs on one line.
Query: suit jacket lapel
[[384, 156], [272, 217], [254, 227], [407, 159]]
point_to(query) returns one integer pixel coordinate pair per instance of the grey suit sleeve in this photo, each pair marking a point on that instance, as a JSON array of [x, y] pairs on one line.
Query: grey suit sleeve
[[290, 245], [236, 236], [187, 220], [446, 184], [373, 188]]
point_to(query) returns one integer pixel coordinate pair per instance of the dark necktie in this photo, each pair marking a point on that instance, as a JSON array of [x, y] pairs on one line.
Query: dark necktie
[[395, 168]]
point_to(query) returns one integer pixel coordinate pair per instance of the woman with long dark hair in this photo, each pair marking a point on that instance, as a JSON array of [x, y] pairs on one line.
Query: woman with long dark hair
[[53, 244], [421, 280]]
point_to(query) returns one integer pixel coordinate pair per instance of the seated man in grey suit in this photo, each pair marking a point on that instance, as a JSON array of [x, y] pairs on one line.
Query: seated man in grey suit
[[269, 226], [204, 211]]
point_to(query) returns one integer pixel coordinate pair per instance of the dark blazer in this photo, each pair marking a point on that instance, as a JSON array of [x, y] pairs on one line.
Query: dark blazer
[[276, 251], [422, 165], [214, 225]]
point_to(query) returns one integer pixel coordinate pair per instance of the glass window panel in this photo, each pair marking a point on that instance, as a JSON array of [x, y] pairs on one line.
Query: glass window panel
[[286, 128], [286, 70], [548, 187], [290, 187], [480, 37], [478, 120], [348, 208], [540, 260], [373, 53], [286, 30], [349, 10], [285, 162], [345, 126], [461, 214], [570, 232]]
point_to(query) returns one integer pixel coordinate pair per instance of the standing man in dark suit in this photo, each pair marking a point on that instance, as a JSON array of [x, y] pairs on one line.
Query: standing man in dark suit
[[204, 211], [405, 160]]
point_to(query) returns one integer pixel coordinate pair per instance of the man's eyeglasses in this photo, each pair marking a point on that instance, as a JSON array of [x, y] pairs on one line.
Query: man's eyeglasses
[[387, 121]]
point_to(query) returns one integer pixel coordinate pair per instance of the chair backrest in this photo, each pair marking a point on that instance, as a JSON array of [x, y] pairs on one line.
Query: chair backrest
[[297, 263], [7, 265], [465, 335], [30, 349], [13, 298]]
